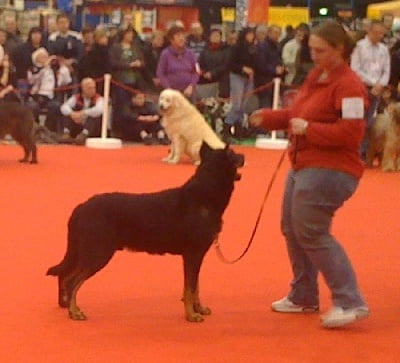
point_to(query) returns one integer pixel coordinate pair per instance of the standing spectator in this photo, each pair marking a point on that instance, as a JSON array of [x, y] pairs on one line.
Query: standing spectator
[[371, 61], [87, 38], [13, 35], [82, 114], [47, 74], [22, 57], [268, 66], [177, 67], [290, 51], [326, 125], [241, 79], [142, 121], [196, 39], [67, 44], [261, 33], [289, 35], [213, 62], [151, 53], [304, 62], [96, 63], [127, 62]]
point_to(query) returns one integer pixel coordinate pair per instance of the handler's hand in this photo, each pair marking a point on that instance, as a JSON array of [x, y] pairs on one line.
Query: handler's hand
[[256, 118], [298, 125]]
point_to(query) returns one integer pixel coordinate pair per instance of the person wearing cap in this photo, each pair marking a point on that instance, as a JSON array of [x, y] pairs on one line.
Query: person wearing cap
[[177, 67]]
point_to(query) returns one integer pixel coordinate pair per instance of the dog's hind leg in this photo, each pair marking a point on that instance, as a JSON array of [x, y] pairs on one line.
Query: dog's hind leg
[[191, 267]]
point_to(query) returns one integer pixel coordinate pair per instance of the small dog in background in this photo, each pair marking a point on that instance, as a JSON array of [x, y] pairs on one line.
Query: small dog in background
[[215, 111], [384, 139]]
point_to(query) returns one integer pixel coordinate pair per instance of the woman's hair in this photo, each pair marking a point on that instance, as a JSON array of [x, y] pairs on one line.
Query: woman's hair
[[174, 29], [335, 35]]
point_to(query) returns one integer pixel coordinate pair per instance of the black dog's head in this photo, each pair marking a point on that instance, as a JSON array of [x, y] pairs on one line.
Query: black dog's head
[[226, 160]]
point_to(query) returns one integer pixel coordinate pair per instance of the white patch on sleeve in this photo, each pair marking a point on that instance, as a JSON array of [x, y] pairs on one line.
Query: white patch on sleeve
[[352, 108]]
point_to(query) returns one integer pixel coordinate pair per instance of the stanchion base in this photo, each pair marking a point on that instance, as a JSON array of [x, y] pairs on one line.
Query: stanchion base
[[103, 143], [271, 143]]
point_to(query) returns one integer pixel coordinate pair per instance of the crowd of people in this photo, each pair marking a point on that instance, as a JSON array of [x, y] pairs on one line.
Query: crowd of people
[[44, 70]]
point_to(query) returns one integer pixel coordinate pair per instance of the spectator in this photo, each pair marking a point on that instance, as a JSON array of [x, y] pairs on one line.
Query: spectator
[[67, 44], [213, 62], [87, 38], [6, 79], [241, 78], [304, 62], [261, 33], [177, 67], [44, 77], [13, 35], [127, 61], [196, 39], [142, 121], [152, 52], [96, 63], [268, 66], [82, 114], [290, 51], [371, 61], [22, 56]]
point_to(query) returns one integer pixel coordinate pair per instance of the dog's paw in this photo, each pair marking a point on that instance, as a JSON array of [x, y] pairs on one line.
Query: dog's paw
[[194, 318], [203, 310], [77, 314], [173, 161]]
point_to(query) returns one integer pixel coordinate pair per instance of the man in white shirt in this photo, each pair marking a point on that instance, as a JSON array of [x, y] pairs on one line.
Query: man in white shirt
[[371, 61], [82, 114]]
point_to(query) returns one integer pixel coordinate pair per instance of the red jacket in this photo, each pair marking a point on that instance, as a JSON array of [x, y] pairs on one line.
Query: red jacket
[[330, 142]]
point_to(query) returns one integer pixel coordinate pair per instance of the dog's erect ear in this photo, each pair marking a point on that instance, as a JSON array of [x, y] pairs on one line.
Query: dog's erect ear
[[204, 150], [226, 146]]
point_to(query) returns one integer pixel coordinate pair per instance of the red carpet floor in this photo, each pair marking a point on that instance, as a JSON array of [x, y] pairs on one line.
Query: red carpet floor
[[133, 305]]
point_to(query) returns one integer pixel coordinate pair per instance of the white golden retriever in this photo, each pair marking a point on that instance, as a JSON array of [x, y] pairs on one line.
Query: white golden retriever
[[185, 127]]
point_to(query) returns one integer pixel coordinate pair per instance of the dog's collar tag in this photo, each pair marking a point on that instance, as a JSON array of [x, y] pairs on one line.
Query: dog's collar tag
[[352, 108]]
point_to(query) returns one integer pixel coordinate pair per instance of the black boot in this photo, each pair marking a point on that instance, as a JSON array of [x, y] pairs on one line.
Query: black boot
[[227, 134]]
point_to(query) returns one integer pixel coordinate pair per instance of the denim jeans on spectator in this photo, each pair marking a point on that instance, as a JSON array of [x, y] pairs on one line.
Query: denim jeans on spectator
[[240, 88], [370, 117], [311, 198]]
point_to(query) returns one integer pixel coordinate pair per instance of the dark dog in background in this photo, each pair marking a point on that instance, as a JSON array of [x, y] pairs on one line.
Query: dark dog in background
[[181, 221], [18, 121], [215, 111]]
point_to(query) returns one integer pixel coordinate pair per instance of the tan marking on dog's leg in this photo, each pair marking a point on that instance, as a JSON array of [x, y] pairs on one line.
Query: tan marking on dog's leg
[[75, 313], [188, 301], [198, 308]]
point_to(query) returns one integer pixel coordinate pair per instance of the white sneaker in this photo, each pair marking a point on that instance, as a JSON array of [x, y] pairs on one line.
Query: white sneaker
[[286, 306], [337, 316]]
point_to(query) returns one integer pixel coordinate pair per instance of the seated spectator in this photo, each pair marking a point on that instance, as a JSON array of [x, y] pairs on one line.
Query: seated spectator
[[82, 114], [141, 121], [46, 74]]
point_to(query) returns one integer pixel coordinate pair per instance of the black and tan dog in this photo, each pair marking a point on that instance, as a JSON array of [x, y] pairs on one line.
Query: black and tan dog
[[181, 221], [18, 121]]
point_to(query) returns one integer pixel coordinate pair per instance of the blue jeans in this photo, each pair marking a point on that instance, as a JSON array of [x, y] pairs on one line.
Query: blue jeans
[[240, 88], [310, 201], [370, 117]]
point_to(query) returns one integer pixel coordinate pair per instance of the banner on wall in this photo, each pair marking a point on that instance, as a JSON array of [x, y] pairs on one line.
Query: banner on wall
[[258, 11]]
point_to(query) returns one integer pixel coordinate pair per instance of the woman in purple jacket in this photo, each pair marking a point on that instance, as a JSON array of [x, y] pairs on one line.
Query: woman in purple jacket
[[177, 67]]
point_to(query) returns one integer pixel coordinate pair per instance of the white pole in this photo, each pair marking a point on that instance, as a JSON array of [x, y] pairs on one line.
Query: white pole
[[104, 122], [275, 100]]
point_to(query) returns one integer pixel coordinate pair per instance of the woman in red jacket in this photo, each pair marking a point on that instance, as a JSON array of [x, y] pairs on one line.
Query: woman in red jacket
[[325, 126]]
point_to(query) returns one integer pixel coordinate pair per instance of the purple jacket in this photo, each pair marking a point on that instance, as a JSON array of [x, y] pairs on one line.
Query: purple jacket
[[177, 70]]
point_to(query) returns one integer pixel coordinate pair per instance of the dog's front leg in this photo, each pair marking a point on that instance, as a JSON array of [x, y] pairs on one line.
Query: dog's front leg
[[198, 308], [177, 146], [191, 268]]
